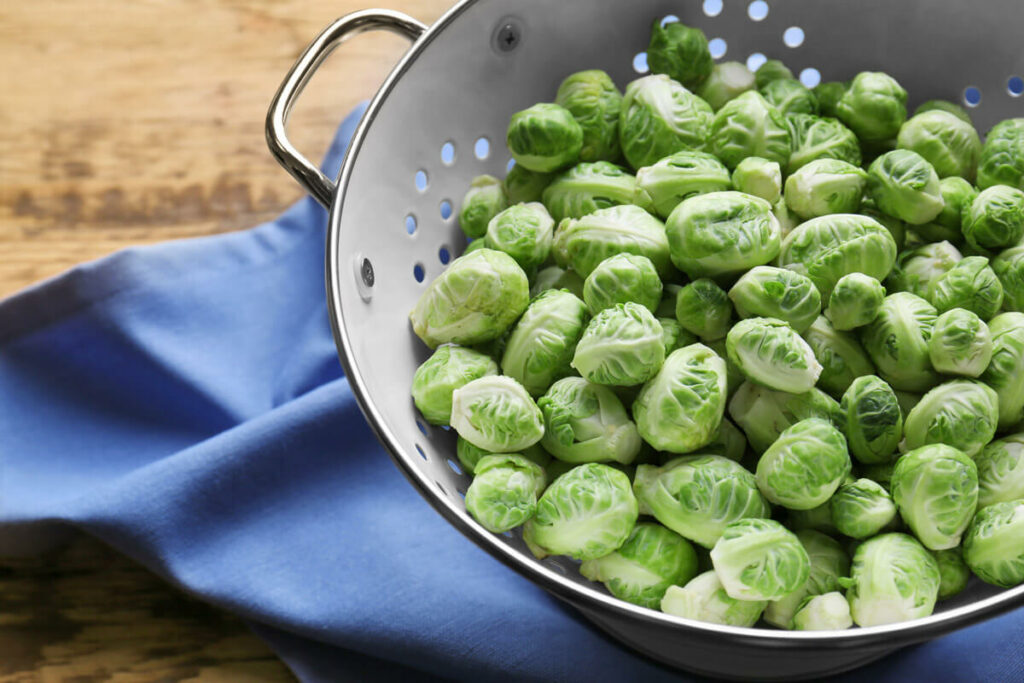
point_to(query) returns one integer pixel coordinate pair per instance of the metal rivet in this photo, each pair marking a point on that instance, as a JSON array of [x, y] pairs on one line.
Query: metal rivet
[[507, 36], [366, 271]]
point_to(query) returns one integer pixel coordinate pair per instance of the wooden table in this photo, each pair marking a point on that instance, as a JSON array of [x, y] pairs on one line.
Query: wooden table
[[126, 123]]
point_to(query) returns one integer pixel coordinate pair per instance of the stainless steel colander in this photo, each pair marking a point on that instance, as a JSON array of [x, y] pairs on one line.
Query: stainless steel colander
[[439, 120]]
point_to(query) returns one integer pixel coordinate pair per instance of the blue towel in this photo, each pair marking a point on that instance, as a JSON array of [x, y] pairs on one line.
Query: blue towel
[[184, 404]]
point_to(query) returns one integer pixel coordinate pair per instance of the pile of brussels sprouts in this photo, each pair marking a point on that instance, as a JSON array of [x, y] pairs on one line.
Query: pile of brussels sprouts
[[745, 349]]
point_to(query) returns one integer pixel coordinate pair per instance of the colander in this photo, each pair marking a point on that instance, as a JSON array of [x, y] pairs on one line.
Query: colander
[[439, 120]]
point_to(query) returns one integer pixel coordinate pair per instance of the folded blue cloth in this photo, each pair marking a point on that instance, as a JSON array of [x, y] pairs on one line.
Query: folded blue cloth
[[184, 403]]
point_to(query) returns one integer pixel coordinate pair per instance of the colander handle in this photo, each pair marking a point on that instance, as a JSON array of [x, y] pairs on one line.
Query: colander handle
[[309, 176]]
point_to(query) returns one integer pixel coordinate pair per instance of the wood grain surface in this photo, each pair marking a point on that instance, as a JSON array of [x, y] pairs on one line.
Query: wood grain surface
[[125, 123]]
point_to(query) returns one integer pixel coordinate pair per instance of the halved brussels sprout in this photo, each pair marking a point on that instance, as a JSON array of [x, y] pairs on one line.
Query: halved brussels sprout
[[816, 137], [948, 143], [524, 232], [771, 292], [862, 508], [680, 176], [825, 186], [871, 420], [953, 572], [971, 284], [642, 569], [829, 562], [542, 343], [874, 106], [728, 80], [594, 101], [994, 544], [826, 612], [770, 352], [1001, 471], [936, 490], [659, 116], [805, 466], [472, 301], [897, 341], [995, 219], [496, 413], [903, 184], [1002, 156], [918, 269], [586, 422], [855, 301], [680, 52], [620, 279], [759, 177], [946, 106], [544, 138], [587, 187], [1005, 373], [764, 414], [703, 308], [749, 126], [771, 70], [557, 277], [585, 242], [829, 93], [893, 578], [1009, 268], [961, 344], [962, 413], [523, 185], [790, 96], [759, 559], [484, 200], [449, 368], [722, 233], [680, 409], [621, 346], [704, 599], [586, 513], [504, 491], [957, 196]]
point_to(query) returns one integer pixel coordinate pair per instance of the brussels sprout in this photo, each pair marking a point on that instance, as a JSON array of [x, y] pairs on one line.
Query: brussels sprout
[[484, 200], [871, 420], [855, 301], [620, 279], [585, 422], [703, 308], [728, 80], [788, 220], [497, 414], [805, 466], [770, 352], [504, 492], [659, 117], [523, 185], [733, 377], [829, 93], [862, 509], [586, 242], [759, 177], [763, 414], [1001, 471], [896, 227], [825, 186], [544, 138], [957, 195], [897, 342], [827, 612], [556, 277], [960, 413], [1009, 268], [949, 144], [704, 599], [995, 219], [1005, 373], [817, 519], [771, 70], [585, 188], [953, 572], [469, 455], [759, 559], [829, 247], [874, 106], [449, 368], [680, 176], [729, 442], [936, 490], [667, 306], [542, 343], [586, 513], [829, 562], [917, 270], [621, 346], [815, 137], [681, 408], [789, 96], [906, 186], [748, 126], [994, 545], [893, 579], [524, 232], [880, 474], [474, 300], [961, 344], [680, 52], [971, 284], [594, 101], [943, 105], [1002, 156], [642, 569], [722, 233], [779, 293], [673, 336], [474, 245]]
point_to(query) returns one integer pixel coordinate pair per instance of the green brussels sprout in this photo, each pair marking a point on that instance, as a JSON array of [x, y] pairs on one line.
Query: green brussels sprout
[[758, 177], [771, 70], [771, 292], [994, 544], [829, 93], [496, 413], [817, 519], [620, 279], [524, 232], [667, 307], [469, 455], [874, 106], [943, 105], [542, 343], [475, 245], [829, 562], [1005, 373], [703, 309], [544, 138], [896, 227], [680, 409], [893, 578], [789, 96], [449, 368], [697, 496], [962, 413], [504, 491], [995, 219], [1001, 471], [523, 185], [948, 143], [827, 612], [918, 269], [729, 442], [1002, 156], [961, 344], [953, 572], [971, 284], [871, 420], [556, 277], [476, 299], [722, 233], [594, 101], [673, 336], [759, 559], [585, 242], [897, 342], [816, 137], [957, 195], [728, 80], [1009, 268], [829, 247], [621, 346], [587, 187], [585, 422], [484, 200], [788, 220], [862, 509], [704, 599], [680, 52], [855, 301], [936, 490], [825, 186], [749, 126], [763, 414], [642, 569], [880, 474], [770, 352], [805, 466], [586, 513], [906, 186], [660, 117], [680, 176]]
